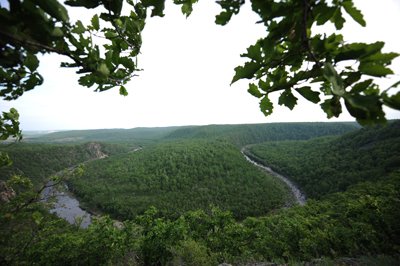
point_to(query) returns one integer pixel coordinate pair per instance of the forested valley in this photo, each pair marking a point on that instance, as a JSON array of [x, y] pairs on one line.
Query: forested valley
[[187, 196], [329, 164]]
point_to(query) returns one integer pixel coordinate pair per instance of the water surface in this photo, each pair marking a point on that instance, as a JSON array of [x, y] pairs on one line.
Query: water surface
[[67, 207]]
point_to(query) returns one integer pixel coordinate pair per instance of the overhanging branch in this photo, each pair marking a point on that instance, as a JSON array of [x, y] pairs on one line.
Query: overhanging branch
[[306, 41]]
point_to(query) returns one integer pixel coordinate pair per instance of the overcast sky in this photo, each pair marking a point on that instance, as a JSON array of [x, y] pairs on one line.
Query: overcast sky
[[188, 66]]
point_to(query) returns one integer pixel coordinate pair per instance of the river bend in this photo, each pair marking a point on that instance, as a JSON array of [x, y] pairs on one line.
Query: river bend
[[299, 196]]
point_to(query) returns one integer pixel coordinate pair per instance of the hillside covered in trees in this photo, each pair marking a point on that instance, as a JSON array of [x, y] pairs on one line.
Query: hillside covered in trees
[[190, 195], [330, 164], [40, 161], [243, 134], [176, 178]]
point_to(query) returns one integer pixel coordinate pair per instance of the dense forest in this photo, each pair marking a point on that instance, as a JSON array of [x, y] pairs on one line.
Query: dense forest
[[185, 170], [176, 178], [361, 223], [40, 161], [330, 164], [189, 196]]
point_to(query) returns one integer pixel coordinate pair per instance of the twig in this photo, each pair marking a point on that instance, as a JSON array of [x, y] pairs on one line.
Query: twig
[[119, 81], [305, 38], [116, 28], [34, 198]]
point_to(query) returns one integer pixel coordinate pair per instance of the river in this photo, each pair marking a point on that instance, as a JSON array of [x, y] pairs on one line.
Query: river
[[299, 196], [67, 207]]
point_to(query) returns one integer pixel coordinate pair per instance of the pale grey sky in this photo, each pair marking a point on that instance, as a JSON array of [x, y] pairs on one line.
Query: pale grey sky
[[188, 66]]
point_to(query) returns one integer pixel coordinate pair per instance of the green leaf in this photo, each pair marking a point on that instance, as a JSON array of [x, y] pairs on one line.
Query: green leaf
[[95, 22], [31, 62], [392, 101], [15, 112], [122, 91], [288, 99], [266, 106], [248, 71], [10, 116], [364, 102], [84, 3], [230, 8], [115, 6], [223, 18], [187, 9], [86, 80], [338, 19], [254, 52], [124, 45], [264, 85], [79, 28], [333, 77], [354, 12], [34, 80], [375, 70], [103, 69], [187, 6], [75, 42], [372, 90], [366, 109], [57, 32], [382, 59], [110, 34], [53, 8], [325, 13], [269, 47], [352, 77], [310, 95], [332, 107], [127, 63], [361, 86], [364, 52], [253, 90], [158, 5]]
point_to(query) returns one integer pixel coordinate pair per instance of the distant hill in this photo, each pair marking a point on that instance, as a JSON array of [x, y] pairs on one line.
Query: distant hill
[[256, 133], [104, 135], [326, 165], [241, 134]]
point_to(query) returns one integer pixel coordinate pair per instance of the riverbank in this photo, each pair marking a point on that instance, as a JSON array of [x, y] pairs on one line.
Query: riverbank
[[68, 207], [298, 194]]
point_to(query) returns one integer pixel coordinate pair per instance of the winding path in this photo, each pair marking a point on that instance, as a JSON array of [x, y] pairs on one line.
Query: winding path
[[299, 196]]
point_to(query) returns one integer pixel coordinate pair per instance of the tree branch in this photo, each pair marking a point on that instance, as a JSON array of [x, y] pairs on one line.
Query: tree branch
[[45, 47], [306, 41], [78, 62]]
